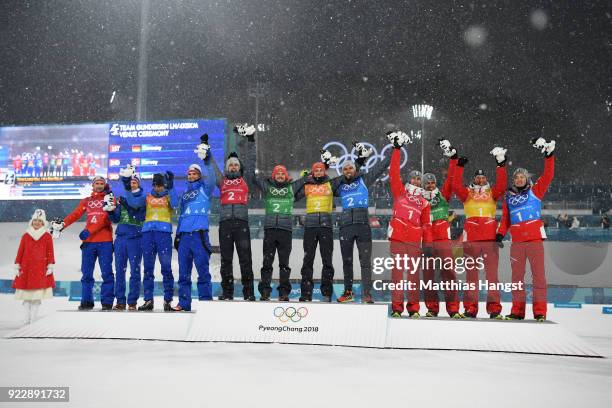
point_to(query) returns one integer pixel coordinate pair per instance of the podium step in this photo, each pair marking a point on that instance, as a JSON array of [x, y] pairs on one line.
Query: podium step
[[316, 323]]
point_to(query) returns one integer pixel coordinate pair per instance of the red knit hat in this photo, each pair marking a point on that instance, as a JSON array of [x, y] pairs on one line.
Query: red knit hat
[[280, 169], [318, 165]]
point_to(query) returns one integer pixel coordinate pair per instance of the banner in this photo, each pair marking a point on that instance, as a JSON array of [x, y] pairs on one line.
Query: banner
[[284, 322]]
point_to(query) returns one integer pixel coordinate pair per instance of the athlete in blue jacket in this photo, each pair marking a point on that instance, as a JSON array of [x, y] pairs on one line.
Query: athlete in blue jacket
[[128, 242], [157, 236], [191, 239]]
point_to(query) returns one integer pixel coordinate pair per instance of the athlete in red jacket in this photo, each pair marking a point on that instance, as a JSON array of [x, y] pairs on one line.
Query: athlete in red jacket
[[479, 202], [522, 212], [97, 243], [409, 229], [441, 247]]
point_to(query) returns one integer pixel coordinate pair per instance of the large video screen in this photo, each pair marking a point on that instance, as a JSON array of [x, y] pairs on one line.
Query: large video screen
[[59, 161], [51, 161], [156, 147]]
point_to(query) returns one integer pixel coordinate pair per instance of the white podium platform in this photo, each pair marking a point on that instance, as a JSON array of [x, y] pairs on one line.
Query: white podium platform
[[311, 323]]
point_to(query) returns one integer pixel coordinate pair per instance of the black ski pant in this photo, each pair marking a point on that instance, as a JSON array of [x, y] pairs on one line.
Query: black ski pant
[[276, 240], [359, 234], [324, 236], [236, 233]]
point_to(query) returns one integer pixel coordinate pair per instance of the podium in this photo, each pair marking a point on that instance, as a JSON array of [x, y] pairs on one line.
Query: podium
[[315, 323]]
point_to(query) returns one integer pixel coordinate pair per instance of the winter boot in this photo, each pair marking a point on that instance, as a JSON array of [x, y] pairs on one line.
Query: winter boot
[[147, 306], [347, 296], [86, 306]]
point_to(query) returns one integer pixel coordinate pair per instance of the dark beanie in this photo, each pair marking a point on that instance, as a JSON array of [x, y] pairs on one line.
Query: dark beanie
[[158, 179]]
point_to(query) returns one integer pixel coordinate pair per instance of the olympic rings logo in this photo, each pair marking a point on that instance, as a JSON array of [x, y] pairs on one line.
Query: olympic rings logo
[[190, 195], [232, 182], [434, 201], [318, 188], [279, 191], [290, 314], [352, 186], [518, 199], [95, 204], [374, 158], [157, 201], [413, 199], [481, 196]]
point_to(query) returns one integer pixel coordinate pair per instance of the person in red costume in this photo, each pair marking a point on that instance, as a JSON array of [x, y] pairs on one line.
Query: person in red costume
[[522, 216], [34, 266], [409, 230], [97, 243], [479, 229]]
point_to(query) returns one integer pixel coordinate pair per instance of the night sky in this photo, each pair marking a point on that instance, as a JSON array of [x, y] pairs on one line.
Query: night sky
[[496, 72]]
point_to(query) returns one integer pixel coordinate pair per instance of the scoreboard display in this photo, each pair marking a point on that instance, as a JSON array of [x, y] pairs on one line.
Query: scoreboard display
[[156, 147]]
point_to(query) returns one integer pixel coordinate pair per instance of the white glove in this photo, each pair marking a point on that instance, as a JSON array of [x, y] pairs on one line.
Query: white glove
[[245, 130], [57, 225], [202, 150], [109, 202], [500, 154], [362, 151], [549, 148], [447, 149], [49, 270], [127, 171], [539, 143], [398, 138], [17, 269], [327, 158]]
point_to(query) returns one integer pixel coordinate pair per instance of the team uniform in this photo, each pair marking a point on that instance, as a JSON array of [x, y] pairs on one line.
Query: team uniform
[[234, 231], [355, 227], [278, 226], [521, 215], [441, 245], [156, 238], [409, 229], [128, 246], [479, 229], [97, 245], [318, 229], [192, 236]]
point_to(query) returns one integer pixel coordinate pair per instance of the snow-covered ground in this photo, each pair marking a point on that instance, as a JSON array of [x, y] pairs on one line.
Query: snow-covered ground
[[101, 373]]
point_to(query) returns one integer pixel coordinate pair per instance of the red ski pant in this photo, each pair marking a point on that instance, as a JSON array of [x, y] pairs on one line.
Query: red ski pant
[[413, 251], [489, 251], [520, 252], [442, 253]]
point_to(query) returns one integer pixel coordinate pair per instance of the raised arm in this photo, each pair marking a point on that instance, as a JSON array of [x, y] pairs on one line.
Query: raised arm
[[136, 200], [250, 172], [374, 173], [457, 181], [540, 186], [395, 178], [447, 186], [501, 182]]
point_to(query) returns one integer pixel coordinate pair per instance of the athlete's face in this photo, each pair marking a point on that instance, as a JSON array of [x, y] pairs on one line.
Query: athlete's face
[[233, 167], [520, 180], [159, 189], [349, 171], [98, 186], [193, 175], [134, 185], [37, 224], [415, 181], [319, 172], [280, 177], [430, 185], [480, 180]]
